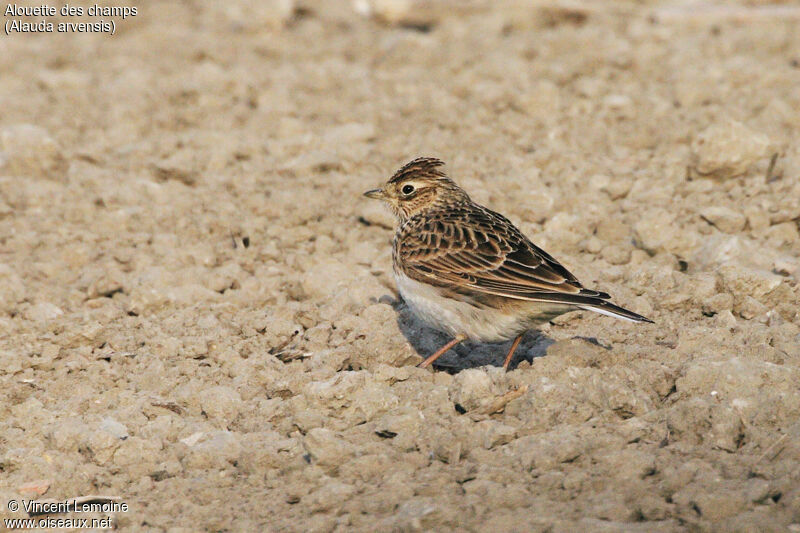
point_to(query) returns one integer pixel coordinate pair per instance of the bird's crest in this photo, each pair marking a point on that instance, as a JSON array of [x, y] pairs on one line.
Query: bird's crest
[[420, 167]]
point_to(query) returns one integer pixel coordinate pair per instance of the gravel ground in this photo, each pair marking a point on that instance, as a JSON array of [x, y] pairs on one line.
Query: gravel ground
[[197, 311]]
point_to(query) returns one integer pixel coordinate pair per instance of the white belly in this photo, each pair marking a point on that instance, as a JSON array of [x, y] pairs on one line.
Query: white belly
[[456, 317]]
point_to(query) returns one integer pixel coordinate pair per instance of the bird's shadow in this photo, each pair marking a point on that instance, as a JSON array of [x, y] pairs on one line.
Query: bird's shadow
[[426, 341]]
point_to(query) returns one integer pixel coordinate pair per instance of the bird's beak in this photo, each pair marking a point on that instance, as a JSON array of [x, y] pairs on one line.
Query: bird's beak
[[377, 194]]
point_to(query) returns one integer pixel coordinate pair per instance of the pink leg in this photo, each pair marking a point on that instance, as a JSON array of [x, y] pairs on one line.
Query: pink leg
[[511, 352], [427, 362]]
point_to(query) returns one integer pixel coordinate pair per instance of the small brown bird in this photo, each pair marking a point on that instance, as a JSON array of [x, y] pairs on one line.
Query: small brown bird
[[469, 272]]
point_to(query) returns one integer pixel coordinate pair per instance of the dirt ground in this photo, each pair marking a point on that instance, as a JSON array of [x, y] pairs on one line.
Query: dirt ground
[[197, 310]]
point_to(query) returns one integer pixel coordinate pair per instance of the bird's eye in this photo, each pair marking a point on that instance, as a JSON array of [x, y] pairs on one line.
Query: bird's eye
[[408, 189]]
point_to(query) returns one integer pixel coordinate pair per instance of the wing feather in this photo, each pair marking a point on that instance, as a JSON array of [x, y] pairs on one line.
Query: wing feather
[[477, 249]]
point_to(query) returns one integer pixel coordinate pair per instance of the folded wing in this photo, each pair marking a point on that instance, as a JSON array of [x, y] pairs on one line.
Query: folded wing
[[482, 251]]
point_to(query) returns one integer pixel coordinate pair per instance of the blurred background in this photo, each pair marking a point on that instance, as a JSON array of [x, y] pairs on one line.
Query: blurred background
[[197, 311]]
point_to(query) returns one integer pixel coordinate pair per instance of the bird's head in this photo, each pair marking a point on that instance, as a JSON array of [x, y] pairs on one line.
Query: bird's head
[[419, 185]]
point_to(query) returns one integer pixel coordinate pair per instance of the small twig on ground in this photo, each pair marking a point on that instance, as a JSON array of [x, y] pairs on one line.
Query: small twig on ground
[[791, 431], [771, 167], [170, 406], [770, 447], [499, 404]]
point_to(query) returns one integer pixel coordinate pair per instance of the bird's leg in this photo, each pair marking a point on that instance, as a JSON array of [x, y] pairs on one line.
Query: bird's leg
[[441, 351], [511, 351]]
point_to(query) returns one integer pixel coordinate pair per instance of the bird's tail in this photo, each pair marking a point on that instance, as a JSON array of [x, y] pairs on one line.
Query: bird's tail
[[607, 308]]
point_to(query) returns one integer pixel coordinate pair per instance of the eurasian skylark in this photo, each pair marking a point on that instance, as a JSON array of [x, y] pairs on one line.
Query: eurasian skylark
[[469, 272]]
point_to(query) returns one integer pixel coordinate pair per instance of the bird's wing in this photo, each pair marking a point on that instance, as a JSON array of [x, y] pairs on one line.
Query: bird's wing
[[475, 249]]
